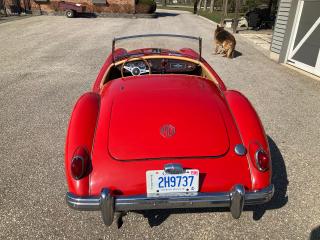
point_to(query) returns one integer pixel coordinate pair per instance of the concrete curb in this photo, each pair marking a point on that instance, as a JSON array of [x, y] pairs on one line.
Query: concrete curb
[[12, 18], [127, 15]]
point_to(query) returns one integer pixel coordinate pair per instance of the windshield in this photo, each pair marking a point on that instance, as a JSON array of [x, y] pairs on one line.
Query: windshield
[[156, 44]]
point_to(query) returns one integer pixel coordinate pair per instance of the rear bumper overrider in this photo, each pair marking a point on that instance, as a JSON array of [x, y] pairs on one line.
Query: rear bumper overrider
[[108, 204]]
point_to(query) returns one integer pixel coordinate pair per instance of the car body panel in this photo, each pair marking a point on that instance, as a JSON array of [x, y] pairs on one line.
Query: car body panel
[[81, 133], [128, 177], [252, 134], [190, 104]]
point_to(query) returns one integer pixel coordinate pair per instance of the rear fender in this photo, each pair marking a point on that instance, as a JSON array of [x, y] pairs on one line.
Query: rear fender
[[252, 134], [81, 133]]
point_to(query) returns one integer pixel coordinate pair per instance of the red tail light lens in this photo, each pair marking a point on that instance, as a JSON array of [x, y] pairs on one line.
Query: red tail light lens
[[262, 160], [80, 164]]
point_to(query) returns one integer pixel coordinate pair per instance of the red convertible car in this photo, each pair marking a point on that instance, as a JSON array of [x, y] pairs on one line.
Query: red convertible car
[[160, 130]]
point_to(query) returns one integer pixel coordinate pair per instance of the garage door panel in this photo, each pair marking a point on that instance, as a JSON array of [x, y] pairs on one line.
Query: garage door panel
[[309, 51], [310, 14], [304, 50]]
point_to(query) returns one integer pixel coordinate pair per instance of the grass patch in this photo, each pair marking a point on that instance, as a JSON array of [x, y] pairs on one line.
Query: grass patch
[[214, 16], [186, 8]]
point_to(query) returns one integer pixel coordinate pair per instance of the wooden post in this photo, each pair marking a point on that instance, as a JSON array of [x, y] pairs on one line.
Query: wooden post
[[236, 16]]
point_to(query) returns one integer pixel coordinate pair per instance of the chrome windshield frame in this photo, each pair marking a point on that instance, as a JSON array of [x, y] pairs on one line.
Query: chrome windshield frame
[[118, 39]]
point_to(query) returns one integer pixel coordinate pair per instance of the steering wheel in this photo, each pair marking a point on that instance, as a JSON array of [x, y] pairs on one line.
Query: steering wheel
[[135, 70]]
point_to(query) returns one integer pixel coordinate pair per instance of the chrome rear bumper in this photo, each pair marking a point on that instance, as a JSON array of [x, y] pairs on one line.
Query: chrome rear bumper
[[107, 204]]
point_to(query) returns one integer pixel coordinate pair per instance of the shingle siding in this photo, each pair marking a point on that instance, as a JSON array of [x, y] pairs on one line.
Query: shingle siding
[[280, 25]]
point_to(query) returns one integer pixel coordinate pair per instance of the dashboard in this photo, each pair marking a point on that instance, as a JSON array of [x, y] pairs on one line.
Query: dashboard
[[159, 65]]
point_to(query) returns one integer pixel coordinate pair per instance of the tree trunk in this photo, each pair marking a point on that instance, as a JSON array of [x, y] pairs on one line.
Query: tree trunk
[[211, 6], [199, 5], [164, 3], [224, 11], [205, 5], [195, 6]]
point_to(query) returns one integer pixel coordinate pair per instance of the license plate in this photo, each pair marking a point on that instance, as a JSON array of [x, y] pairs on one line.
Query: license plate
[[158, 181]]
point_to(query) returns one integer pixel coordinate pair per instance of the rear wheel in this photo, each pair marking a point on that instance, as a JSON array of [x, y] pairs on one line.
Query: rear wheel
[[70, 13]]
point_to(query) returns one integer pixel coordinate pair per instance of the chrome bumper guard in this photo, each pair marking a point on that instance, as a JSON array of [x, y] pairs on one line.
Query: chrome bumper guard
[[108, 204]]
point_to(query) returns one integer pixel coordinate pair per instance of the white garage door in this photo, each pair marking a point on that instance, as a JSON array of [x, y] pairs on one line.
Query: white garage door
[[304, 50]]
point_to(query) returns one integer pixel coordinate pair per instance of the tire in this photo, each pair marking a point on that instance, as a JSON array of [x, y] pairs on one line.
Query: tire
[[70, 13]]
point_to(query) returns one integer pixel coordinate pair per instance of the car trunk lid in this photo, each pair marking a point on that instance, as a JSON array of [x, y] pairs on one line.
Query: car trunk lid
[[180, 121]]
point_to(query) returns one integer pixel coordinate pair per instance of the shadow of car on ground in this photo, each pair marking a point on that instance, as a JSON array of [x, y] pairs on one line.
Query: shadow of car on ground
[[166, 14], [280, 181]]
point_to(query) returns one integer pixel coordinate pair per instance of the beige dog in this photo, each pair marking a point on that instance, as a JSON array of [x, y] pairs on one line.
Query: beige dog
[[225, 41]]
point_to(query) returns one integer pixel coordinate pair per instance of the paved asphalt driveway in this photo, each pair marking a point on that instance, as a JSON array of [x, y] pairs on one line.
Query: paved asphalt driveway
[[46, 63]]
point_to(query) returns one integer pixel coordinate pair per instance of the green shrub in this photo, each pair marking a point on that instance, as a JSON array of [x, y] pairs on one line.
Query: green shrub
[[145, 6]]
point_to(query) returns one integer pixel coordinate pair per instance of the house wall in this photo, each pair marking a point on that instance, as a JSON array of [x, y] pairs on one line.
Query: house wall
[[288, 33], [280, 29]]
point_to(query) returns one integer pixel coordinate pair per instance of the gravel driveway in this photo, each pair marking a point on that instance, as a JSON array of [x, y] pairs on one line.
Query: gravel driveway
[[47, 62]]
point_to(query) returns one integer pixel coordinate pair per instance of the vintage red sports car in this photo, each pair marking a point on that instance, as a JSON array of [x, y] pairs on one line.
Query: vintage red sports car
[[160, 130]]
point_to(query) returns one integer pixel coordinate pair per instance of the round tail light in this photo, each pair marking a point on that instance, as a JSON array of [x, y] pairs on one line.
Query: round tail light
[[262, 160], [80, 164]]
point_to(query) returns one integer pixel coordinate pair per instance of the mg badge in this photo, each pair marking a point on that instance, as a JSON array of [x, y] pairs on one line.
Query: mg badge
[[167, 131]]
